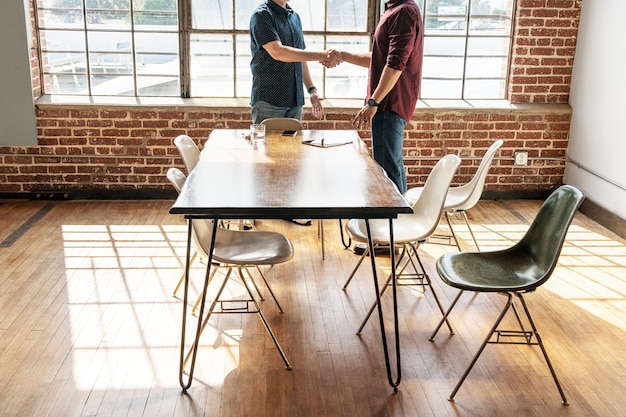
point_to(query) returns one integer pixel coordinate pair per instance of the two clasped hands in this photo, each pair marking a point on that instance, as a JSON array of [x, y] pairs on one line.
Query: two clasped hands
[[364, 117]]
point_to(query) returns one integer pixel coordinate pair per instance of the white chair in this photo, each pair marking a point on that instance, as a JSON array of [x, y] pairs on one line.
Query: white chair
[[464, 197], [409, 230], [237, 249], [188, 151], [282, 123]]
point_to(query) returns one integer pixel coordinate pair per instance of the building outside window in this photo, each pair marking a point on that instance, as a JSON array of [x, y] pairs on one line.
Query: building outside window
[[202, 49]]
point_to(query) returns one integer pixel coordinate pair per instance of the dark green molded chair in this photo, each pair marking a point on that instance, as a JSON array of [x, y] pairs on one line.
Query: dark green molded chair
[[515, 271]]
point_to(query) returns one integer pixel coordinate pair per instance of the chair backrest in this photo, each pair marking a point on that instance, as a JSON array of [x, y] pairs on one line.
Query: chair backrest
[[474, 188], [429, 206], [282, 123], [188, 150], [544, 238]]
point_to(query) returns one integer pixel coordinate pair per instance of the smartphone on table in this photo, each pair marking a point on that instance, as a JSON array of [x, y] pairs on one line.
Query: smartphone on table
[[289, 133]]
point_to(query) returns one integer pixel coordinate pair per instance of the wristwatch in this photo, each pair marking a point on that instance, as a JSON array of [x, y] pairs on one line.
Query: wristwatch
[[372, 103]]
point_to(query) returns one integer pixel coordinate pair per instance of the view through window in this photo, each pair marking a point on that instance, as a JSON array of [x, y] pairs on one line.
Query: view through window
[[153, 48]]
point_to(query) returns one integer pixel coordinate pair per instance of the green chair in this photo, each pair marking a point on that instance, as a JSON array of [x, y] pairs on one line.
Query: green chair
[[515, 271]]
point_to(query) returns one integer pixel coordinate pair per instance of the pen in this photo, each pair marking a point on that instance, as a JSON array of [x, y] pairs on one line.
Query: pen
[[322, 142]]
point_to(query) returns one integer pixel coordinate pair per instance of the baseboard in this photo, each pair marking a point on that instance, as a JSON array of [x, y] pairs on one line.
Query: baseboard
[[604, 217]]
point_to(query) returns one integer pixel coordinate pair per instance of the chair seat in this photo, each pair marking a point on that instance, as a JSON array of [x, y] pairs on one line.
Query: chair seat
[[491, 271], [261, 248], [405, 229], [455, 197]]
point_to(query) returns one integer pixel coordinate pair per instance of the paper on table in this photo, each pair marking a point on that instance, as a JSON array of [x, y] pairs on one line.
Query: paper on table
[[331, 138]]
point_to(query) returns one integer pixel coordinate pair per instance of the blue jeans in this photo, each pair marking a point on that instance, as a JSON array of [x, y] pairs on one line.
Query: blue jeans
[[387, 141], [262, 110]]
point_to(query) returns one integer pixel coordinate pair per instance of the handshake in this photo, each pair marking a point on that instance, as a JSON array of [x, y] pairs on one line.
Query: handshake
[[333, 58]]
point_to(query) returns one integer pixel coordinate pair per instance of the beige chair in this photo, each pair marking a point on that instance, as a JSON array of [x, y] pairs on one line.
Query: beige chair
[[462, 198], [282, 123], [240, 250], [409, 230], [188, 151]]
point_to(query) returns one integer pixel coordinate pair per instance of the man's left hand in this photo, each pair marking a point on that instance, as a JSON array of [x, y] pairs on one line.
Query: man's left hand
[[363, 119], [316, 103]]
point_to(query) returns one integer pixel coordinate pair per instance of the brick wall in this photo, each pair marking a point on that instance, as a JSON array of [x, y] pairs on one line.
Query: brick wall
[[109, 151]]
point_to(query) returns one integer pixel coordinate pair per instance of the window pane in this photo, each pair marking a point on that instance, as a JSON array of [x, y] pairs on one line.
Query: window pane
[[64, 15], [64, 61], [445, 19], [156, 15], [491, 17], [243, 11], [486, 67], [443, 67], [212, 66], [484, 89], [311, 13], [103, 84], [110, 52], [441, 89], [444, 46], [108, 15], [158, 63], [212, 14], [347, 16], [347, 80]]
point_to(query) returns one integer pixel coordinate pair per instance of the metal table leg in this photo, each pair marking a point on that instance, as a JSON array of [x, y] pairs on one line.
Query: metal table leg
[[394, 383], [193, 350]]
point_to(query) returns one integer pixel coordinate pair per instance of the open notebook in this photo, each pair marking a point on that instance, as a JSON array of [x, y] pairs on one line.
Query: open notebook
[[329, 138]]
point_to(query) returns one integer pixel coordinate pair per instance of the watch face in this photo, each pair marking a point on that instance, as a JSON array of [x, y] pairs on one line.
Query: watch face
[[372, 103]]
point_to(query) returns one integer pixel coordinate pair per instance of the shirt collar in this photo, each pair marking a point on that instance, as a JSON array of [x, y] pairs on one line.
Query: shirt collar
[[276, 8]]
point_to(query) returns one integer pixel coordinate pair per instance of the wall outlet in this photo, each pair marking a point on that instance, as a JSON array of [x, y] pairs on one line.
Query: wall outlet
[[521, 158]]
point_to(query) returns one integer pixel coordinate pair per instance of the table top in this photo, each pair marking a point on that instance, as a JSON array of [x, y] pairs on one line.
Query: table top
[[285, 178]]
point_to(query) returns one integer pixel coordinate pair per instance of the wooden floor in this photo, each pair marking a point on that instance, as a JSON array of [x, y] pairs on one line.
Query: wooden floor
[[89, 327]]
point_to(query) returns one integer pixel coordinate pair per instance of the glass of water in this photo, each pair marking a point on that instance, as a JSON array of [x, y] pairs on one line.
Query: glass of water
[[257, 134]]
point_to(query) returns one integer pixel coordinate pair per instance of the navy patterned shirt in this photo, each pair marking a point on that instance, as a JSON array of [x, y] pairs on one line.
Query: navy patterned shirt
[[275, 82]]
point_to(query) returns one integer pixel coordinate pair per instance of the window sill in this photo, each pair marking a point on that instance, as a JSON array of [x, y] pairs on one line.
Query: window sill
[[234, 103]]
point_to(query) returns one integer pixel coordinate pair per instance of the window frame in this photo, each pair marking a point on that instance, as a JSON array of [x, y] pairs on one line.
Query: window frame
[[186, 31]]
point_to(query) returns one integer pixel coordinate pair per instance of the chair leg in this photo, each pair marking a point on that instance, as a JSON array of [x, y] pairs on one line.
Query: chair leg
[[445, 316], [356, 267], [543, 349], [266, 284], [470, 230], [199, 300], [265, 323], [432, 289], [182, 278], [453, 235], [482, 346]]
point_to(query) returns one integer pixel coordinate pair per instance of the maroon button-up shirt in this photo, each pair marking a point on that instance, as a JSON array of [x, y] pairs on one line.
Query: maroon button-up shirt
[[398, 43]]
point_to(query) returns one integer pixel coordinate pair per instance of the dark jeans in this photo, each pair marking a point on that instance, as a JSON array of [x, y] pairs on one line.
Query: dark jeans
[[387, 140]]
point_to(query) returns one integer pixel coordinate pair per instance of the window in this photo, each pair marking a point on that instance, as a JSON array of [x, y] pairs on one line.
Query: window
[[151, 48]]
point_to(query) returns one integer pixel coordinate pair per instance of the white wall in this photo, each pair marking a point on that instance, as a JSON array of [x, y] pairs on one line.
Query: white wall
[[597, 147], [17, 111]]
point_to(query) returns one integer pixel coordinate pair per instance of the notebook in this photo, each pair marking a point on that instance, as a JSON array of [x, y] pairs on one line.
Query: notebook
[[329, 138]]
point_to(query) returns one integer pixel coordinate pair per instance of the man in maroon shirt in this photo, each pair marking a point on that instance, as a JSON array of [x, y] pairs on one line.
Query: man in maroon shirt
[[395, 73]]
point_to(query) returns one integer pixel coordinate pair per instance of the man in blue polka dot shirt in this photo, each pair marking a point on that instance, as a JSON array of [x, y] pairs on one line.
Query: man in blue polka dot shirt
[[279, 63]]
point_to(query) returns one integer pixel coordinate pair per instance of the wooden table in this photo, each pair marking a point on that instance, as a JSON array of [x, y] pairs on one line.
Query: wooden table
[[284, 179]]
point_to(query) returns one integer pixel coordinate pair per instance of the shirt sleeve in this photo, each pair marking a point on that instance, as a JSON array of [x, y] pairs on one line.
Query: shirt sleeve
[[262, 28], [402, 35]]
